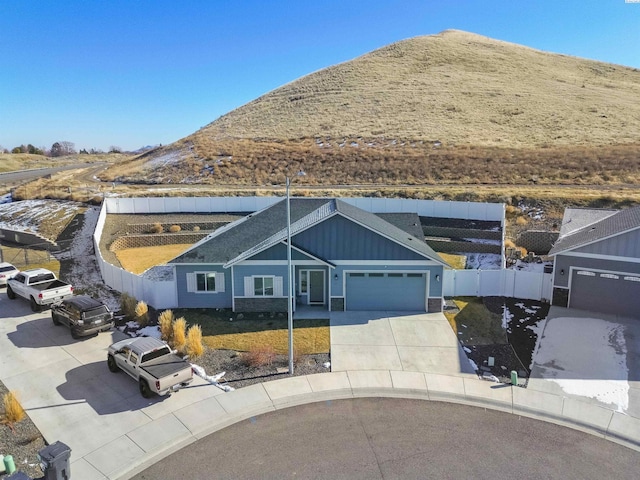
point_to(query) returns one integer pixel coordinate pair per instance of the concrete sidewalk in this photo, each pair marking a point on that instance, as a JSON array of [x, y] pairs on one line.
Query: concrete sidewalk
[[114, 433]]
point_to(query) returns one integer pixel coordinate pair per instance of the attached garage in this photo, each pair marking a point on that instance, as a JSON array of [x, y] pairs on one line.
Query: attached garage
[[607, 292], [386, 291]]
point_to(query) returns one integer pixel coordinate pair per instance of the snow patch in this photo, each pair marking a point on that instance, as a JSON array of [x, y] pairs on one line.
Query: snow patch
[[567, 357], [507, 316], [483, 261]]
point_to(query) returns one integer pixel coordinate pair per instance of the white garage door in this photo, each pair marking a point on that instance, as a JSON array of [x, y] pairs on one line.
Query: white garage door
[[606, 292], [386, 291]]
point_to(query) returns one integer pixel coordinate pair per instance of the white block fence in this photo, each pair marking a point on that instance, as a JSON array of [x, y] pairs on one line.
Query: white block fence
[[163, 294]]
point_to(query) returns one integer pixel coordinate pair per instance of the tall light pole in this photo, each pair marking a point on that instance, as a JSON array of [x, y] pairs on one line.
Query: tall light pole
[[290, 282]]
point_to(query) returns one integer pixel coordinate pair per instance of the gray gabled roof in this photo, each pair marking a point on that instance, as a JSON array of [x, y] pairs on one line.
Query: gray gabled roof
[[593, 229], [267, 227], [233, 240], [383, 227]]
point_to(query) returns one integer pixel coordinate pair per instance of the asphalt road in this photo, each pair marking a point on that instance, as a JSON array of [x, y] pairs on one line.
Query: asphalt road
[[378, 438], [21, 176]]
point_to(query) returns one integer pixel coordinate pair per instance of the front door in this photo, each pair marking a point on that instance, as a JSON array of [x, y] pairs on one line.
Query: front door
[[316, 287]]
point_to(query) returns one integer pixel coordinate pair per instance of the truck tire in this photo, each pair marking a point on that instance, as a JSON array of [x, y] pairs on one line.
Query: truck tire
[[111, 363], [11, 294], [74, 333], [34, 305], [145, 391], [54, 318]]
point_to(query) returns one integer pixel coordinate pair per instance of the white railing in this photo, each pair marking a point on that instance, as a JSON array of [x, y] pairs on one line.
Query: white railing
[[502, 283]]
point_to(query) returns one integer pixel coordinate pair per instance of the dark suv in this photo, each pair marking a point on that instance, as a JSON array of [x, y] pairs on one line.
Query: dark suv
[[83, 315]]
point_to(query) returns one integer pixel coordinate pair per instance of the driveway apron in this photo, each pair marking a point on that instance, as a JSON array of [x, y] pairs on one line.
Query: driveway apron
[[402, 341]]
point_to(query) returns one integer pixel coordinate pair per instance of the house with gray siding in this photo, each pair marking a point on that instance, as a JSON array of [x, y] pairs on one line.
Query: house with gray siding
[[343, 258], [597, 261]]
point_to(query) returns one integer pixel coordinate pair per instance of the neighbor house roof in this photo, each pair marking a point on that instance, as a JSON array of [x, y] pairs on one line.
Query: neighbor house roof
[[593, 225], [268, 227]]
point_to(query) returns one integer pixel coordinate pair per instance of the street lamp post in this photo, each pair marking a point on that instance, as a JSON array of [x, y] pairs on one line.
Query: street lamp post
[[289, 282]]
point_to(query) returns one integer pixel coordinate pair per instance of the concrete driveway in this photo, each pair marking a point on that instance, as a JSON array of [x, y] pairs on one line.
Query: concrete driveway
[[414, 342], [591, 356], [68, 392]]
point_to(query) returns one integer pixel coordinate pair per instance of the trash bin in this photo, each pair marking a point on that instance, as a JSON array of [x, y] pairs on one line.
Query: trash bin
[[19, 476], [54, 461]]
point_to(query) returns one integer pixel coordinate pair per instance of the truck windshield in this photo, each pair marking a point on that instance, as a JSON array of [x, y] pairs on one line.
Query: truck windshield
[[161, 352], [96, 312]]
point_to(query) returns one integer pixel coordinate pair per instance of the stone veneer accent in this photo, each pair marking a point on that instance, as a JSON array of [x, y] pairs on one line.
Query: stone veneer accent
[[560, 297], [434, 305], [337, 304], [261, 304]]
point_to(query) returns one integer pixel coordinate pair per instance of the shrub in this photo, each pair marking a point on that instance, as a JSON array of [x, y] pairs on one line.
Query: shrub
[[13, 411], [509, 244], [259, 356], [128, 306], [165, 320], [196, 228], [142, 313], [157, 228], [174, 228], [179, 333], [194, 347], [521, 221]]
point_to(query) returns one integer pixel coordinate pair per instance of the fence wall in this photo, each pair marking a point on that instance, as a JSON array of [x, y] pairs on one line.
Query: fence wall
[[158, 294], [426, 208], [163, 294], [503, 283]]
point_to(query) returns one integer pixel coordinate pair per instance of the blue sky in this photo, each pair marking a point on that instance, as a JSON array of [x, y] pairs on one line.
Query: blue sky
[[143, 72]]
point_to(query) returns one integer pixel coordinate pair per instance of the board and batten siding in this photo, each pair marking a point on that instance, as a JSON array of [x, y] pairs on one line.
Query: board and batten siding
[[340, 238], [189, 298]]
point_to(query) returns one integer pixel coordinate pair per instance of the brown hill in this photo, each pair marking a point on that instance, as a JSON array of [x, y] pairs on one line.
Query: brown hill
[[503, 113]]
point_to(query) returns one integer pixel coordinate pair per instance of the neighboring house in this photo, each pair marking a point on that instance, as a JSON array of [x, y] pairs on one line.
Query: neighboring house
[[344, 258], [597, 261]]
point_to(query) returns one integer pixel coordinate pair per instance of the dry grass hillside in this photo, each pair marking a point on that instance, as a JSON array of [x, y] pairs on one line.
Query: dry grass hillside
[[453, 108], [455, 87]]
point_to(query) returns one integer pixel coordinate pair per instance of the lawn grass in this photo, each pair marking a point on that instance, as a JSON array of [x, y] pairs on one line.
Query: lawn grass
[[310, 336], [474, 324], [457, 262], [137, 260]]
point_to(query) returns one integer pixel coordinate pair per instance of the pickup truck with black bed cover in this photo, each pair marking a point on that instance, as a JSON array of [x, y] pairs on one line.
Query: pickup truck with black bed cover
[[152, 363]]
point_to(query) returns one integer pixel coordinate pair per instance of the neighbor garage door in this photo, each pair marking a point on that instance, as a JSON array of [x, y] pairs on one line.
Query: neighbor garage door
[[386, 291], [606, 292]]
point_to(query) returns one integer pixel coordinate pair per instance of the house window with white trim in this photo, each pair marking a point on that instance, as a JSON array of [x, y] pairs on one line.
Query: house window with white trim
[[263, 286], [205, 282]]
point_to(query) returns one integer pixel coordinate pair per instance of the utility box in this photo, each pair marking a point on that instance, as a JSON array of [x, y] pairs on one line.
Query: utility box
[[54, 461]]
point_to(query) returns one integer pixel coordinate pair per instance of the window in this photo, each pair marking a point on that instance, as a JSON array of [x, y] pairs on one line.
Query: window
[[376, 274], [396, 275], [303, 281], [609, 275], [414, 275], [586, 273], [263, 286], [205, 282]]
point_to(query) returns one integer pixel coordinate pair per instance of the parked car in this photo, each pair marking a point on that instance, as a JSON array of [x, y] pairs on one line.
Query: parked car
[[6, 272], [83, 315], [40, 286], [152, 363]]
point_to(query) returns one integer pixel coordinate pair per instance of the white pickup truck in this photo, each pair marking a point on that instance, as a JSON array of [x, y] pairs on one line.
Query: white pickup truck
[[150, 362], [40, 286]]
